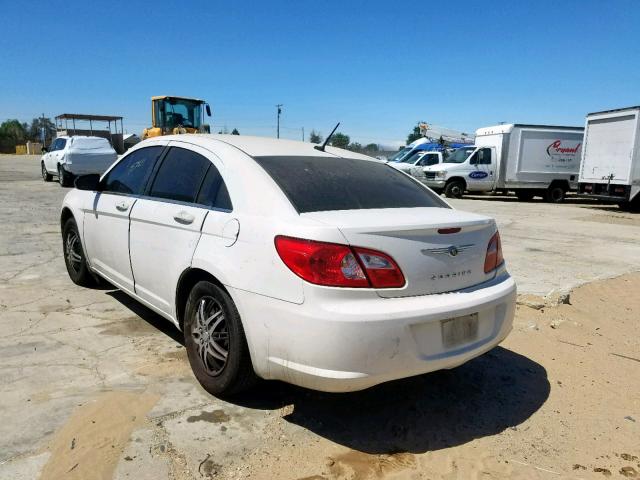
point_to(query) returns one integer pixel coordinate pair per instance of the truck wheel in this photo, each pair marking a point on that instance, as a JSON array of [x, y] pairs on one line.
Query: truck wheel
[[215, 340], [524, 195], [454, 189], [633, 206], [555, 194], [64, 178], [46, 176]]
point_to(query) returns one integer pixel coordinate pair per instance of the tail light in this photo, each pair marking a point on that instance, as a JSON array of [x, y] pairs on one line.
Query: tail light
[[336, 265], [494, 256]]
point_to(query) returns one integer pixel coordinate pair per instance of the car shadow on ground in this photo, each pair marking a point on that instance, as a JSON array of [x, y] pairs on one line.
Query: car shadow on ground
[[570, 200], [149, 316], [487, 395], [498, 390]]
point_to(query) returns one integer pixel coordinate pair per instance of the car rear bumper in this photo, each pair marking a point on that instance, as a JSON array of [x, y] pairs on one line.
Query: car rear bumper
[[343, 344]]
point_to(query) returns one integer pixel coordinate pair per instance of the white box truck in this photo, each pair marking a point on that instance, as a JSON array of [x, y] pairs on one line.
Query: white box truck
[[610, 168], [529, 160]]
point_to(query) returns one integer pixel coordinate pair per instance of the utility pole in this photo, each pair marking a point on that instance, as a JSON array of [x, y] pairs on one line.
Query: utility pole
[[279, 107], [303, 134]]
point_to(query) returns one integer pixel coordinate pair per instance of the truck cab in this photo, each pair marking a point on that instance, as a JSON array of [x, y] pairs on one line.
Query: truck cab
[[470, 168], [420, 158]]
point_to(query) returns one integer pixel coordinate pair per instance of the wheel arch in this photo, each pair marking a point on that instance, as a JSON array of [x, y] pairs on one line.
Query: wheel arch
[[65, 215], [458, 178], [187, 280], [560, 183]]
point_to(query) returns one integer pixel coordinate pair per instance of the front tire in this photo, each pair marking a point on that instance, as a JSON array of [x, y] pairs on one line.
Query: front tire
[[74, 258], [454, 189], [215, 340], [64, 178], [46, 176]]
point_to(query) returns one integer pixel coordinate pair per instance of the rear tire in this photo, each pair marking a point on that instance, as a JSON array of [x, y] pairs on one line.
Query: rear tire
[[555, 194], [64, 178], [215, 340], [46, 176], [524, 195], [74, 257], [454, 189]]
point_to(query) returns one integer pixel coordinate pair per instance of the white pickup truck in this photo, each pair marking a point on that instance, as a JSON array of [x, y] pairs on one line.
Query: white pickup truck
[[526, 159], [610, 168], [69, 157], [420, 158]]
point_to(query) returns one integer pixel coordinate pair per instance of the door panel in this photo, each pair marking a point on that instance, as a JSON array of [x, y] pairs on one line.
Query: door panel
[[106, 233], [164, 236]]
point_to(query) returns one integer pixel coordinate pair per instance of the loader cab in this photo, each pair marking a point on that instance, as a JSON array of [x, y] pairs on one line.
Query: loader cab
[[175, 115]]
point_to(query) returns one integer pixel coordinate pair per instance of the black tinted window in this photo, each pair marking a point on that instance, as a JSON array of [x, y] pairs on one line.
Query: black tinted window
[[61, 144], [180, 175], [213, 192], [315, 184], [130, 175]]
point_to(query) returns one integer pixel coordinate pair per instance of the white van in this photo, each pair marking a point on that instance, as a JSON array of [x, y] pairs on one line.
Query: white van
[[526, 159], [69, 157]]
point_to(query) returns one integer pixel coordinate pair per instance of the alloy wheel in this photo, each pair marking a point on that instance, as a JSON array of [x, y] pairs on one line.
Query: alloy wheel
[[211, 335], [73, 251]]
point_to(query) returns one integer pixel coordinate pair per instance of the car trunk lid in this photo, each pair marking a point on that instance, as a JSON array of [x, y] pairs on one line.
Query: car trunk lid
[[438, 249]]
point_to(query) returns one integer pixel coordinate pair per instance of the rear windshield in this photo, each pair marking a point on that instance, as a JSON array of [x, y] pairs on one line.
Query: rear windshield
[[315, 184]]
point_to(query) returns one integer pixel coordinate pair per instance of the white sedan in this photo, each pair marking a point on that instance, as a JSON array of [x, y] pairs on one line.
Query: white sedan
[[323, 268]]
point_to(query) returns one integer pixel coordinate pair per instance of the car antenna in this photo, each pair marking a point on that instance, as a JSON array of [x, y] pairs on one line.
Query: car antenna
[[321, 147]]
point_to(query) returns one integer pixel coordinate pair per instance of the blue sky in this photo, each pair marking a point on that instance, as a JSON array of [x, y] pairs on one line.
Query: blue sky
[[376, 66]]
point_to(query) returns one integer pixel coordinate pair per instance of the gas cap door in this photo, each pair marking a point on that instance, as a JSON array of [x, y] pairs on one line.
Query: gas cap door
[[230, 232]]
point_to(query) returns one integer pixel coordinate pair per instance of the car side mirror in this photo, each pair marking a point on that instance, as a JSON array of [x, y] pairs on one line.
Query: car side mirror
[[44, 149], [89, 182], [208, 109]]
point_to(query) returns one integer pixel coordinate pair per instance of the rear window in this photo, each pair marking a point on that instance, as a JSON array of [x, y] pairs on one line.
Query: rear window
[[315, 184]]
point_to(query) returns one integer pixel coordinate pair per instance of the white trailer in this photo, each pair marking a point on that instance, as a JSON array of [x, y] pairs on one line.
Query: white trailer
[[610, 168], [526, 159]]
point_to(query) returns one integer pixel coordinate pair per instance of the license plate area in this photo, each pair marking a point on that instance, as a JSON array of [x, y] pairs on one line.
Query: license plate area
[[459, 330]]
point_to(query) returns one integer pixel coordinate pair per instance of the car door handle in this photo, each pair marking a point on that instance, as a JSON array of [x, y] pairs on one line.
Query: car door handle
[[122, 206], [184, 218]]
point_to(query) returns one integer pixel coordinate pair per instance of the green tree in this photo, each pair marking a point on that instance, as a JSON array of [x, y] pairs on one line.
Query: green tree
[[355, 147], [12, 133], [414, 135], [315, 137], [235, 132], [340, 140], [372, 147]]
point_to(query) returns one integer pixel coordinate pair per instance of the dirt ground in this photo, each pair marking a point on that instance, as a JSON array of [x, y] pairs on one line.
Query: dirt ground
[[93, 385]]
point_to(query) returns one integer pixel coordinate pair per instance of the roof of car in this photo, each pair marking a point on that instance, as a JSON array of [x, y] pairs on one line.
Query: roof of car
[[266, 146]]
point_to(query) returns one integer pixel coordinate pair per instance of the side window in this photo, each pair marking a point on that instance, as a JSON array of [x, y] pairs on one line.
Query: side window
[[61, 144], [431, 160], [214, 191], [485, 156], [131, 174], [180, 175]]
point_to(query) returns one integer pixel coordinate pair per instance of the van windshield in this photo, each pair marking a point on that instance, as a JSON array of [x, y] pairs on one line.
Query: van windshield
[[400, 155], [460, 155]]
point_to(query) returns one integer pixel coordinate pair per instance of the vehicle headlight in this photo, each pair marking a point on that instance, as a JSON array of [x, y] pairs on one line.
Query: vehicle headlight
[[441, 173]]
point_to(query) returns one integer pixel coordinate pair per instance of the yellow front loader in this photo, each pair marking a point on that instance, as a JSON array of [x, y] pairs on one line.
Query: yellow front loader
[[176, 115]]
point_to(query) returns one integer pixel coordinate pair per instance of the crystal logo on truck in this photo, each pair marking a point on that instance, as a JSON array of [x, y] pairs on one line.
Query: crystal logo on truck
[[478, 174], [560, 152]]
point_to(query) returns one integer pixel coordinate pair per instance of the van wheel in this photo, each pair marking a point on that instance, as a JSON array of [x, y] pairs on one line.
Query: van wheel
[[64, 178], [555, 194], [454, 189], [524, 195], [216, 343], [46, 176], [74, 258]]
